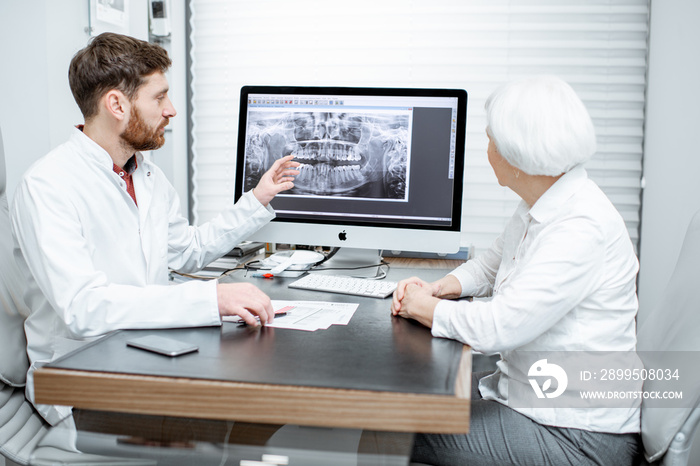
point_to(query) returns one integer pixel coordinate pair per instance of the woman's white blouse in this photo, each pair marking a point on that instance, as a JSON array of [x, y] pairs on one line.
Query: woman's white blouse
[[561, 278]]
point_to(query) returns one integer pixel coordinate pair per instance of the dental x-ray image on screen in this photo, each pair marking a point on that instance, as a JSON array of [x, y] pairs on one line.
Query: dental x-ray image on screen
[[345, 154], [381, 167]]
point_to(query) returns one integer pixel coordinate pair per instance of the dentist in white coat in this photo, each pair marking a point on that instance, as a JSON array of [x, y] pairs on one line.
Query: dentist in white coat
[[97, 226]]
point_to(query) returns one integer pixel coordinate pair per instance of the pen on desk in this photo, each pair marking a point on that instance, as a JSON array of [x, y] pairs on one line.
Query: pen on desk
[[261, 274], [243, 323]]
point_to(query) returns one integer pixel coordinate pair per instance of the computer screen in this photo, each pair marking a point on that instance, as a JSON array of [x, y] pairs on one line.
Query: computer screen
[[381, 168]]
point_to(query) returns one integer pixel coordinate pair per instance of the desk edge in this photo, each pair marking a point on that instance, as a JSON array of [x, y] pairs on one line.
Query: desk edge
[[263, 403]]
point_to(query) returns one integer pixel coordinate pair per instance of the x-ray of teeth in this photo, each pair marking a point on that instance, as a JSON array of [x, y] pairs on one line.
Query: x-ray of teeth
[[343, 154]]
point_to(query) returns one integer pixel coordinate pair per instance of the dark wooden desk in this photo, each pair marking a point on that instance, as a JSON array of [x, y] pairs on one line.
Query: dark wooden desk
[[378, 372]]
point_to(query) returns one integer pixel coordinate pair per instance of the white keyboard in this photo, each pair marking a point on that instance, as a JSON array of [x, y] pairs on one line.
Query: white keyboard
[[345, 285]]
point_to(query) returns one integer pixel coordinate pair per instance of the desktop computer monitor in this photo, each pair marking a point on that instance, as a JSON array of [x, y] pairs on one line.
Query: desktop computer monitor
[[381, 168]]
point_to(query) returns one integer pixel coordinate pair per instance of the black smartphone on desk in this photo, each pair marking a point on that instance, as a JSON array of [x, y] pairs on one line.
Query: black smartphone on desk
[[162, 345]]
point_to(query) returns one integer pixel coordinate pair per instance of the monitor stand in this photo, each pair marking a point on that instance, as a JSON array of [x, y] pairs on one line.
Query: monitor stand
[[347, 261]]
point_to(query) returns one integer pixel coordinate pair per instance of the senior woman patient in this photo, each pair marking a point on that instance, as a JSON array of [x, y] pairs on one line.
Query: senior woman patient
[[561, 277]]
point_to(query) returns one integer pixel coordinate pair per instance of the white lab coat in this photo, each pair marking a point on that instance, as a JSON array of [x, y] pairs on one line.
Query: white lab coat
[[95, 262]]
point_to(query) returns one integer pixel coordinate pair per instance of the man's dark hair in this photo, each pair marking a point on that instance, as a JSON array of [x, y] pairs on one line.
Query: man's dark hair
[[112, 61]]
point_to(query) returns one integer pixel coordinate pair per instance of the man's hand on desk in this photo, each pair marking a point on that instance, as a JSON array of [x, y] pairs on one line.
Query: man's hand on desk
[[244, 300]]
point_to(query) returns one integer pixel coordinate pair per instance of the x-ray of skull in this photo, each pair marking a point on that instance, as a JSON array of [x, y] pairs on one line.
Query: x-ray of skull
[[343, 154]]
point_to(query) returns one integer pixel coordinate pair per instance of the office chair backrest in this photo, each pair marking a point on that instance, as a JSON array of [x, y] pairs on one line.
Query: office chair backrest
[[672, 329], [13, 311], [21, 427]]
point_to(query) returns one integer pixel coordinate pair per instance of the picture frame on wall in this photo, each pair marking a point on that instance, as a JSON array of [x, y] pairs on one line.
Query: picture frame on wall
[[108, 15]]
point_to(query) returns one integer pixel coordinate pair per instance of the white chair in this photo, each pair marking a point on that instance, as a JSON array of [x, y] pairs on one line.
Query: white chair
[[20, 426], [674, 327]]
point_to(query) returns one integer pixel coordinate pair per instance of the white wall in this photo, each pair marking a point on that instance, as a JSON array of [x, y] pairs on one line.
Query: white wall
[[37, 110], [24, 109], [172, 157]]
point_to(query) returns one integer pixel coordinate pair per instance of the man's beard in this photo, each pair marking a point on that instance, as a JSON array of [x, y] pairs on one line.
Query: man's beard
[[139, 136]]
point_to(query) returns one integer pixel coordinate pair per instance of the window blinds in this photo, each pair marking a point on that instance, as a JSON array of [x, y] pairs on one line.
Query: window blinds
[[598, 46]]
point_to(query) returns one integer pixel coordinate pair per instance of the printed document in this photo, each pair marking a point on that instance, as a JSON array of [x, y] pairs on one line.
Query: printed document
[[307, 315]]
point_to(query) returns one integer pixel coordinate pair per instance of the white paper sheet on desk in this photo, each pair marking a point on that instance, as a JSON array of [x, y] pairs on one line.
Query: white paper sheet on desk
[[308, 315]]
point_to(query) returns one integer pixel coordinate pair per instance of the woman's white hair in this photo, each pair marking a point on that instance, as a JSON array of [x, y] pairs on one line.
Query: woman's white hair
[[540, 125]]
